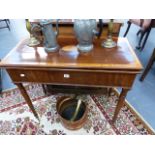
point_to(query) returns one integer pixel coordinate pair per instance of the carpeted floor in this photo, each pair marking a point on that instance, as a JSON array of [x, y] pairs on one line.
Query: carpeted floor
[[17, 119]]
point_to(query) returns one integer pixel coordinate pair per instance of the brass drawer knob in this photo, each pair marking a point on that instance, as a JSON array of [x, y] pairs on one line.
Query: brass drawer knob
[[22, 75], [66, 76]]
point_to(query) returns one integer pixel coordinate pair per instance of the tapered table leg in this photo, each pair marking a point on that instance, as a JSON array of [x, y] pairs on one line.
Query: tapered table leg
[[109, 91], [120, 103], [27, 98]]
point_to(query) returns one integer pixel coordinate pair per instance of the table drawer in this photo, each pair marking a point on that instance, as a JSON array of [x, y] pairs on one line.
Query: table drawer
[[72, 77]]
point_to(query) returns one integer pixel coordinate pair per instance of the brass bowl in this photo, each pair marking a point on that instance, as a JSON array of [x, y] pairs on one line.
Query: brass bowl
[[66, 107]]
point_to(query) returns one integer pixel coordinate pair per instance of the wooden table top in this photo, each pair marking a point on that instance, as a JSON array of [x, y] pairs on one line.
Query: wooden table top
[[121, 57]]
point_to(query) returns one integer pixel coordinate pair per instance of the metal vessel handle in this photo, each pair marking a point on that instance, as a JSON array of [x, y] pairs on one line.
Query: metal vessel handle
[[57, 27], [34, 29], [99, 32]]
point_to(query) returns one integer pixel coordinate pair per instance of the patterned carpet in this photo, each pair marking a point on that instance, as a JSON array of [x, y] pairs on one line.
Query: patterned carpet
[[17, 119]]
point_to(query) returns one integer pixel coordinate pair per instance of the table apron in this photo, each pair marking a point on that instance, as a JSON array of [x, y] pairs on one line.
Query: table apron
[[73, 77]]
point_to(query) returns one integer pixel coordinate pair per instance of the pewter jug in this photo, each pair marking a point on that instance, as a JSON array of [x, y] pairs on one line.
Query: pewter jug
[[85, 30]]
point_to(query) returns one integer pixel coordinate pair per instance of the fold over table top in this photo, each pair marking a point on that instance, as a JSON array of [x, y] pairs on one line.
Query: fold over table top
[[121, 57]]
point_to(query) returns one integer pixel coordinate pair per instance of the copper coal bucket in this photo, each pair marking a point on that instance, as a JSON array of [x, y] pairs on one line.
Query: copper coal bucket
[[67, 107]]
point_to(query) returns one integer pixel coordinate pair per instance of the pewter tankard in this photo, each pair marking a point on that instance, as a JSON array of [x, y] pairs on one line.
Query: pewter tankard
[[50, 36], [85, 30]]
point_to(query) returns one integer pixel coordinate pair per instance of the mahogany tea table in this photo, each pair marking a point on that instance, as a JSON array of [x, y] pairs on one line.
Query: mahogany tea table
[[102, 67]]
